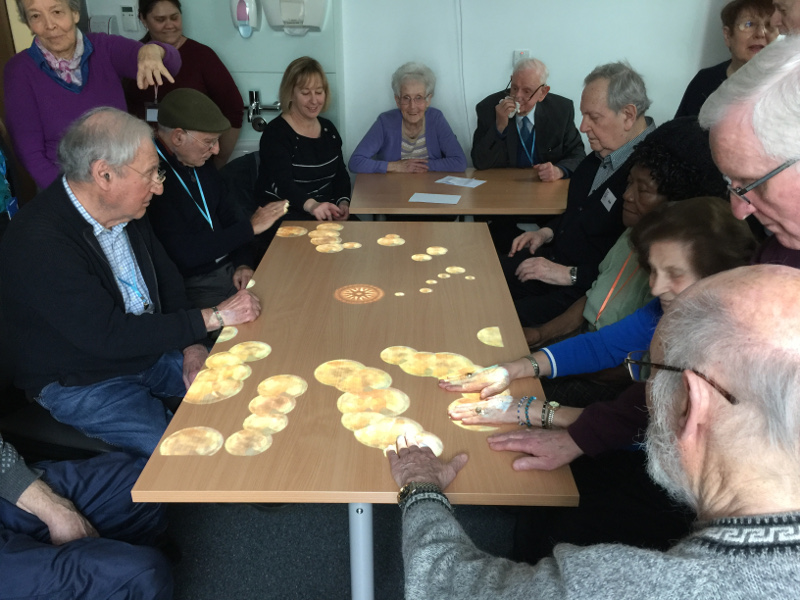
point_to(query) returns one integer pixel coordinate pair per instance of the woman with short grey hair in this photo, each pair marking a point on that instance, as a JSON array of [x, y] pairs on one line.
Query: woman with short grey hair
[[65, 73], [413, 138]]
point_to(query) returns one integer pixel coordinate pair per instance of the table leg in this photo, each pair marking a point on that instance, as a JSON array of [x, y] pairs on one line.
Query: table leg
[[362, 585]]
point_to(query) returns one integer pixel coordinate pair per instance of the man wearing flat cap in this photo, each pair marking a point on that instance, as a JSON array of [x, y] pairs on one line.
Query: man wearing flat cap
[[194, 219], [101, 331]]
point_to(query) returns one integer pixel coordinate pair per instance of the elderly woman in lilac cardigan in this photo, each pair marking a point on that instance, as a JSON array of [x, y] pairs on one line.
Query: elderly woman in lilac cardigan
[[413, 138], [65, 73]]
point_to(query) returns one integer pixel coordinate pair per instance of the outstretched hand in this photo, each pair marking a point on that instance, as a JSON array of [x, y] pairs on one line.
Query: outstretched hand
[[412, 462], [547, 449]]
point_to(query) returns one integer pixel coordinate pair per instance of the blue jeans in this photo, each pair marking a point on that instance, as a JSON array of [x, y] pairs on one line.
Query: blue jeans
[[127, 411], [117, 565]]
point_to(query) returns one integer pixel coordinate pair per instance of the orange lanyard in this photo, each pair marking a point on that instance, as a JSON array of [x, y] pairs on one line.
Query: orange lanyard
[[614, 285]]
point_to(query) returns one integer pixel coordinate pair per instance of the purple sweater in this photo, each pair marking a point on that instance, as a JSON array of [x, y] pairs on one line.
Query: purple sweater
[[39, 110], [381, 145]]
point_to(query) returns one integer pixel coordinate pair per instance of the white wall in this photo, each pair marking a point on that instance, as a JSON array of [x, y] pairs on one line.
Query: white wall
[[667, 41], [469, 45]]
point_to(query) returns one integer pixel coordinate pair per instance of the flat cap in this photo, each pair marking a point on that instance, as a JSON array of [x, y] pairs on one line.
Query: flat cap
[[186, 108]]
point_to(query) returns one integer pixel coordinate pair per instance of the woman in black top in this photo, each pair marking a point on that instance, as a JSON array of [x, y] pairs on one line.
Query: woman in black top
[[301, 152], [747, 29]]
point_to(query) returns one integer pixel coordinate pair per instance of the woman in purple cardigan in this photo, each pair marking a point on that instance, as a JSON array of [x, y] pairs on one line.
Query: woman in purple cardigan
[[65, 73], [413, 138]]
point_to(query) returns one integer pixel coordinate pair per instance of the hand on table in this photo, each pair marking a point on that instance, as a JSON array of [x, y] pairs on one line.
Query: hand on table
[[242, 307], [324, 211], [494, 410], [489, 381], [531, 240], [265, 216], [344, 211], [242, 276], [548, 172], [151, 67], [411, 462], [194, 359], [412, 165], [541, 269], [547, 449]]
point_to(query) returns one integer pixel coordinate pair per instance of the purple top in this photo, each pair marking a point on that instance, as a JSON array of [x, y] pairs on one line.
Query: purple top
[[382, 143], [39, 110]]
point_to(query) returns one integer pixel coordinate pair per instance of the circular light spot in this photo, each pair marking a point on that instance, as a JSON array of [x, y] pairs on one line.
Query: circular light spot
[[358, 293], [456, 270], [291, 231], [469, 277], [436, 250], [431, 281], [425, 290], [421, 257], [399, 294], [351, 245], [443, 276], [329, 248]]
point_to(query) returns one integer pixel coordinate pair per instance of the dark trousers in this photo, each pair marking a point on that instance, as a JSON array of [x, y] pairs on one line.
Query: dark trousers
[[619, 503], [117, 565], [536, 302]]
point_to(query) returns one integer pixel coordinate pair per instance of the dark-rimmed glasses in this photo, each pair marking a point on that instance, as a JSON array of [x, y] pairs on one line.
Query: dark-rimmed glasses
[[640, 368], [510, 93], [157, 178], [740, 192]]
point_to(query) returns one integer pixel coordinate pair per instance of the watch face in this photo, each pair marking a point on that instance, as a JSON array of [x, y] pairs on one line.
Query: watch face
[[553, 404], [404, 492]]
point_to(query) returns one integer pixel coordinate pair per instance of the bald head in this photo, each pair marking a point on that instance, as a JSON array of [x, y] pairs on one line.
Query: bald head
[[733, 333]]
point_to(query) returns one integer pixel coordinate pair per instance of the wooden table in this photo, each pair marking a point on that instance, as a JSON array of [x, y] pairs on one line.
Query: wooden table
[[506, 192], [315, 459]]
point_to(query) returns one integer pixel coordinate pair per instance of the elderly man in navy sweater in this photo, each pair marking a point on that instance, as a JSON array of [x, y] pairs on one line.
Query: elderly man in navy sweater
[[194, 218], [100, 327]]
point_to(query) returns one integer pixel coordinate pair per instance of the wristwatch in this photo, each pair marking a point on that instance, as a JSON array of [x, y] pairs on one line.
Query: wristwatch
[[415, 487], [573, 275], [415, 492], [552, 407]]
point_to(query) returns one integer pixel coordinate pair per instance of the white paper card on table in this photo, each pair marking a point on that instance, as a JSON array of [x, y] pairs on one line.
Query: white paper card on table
[[435, 198], [462, 181]]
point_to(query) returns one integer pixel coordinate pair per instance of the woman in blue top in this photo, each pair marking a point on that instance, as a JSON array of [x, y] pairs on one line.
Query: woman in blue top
[[413, 138], [678, 245]]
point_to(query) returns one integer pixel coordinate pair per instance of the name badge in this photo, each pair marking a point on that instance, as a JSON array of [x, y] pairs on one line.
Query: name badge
[[151, 112], [608, 200]]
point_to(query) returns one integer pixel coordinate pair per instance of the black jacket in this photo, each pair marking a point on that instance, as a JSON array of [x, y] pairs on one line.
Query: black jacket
[[558, 141], [64, 312]]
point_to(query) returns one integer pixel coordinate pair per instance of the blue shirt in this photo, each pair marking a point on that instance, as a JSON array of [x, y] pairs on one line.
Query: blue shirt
[[117, 248]]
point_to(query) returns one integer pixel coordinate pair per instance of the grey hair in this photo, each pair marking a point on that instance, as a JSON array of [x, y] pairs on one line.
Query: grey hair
[[416, 72], [770, 84], [625, 86], [73, 5], [533, 64], [702, 332], [102, 133]]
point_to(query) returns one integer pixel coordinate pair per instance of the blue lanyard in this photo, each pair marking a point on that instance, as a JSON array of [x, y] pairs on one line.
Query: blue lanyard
[[528, 153], [207, 213], [135, 288]]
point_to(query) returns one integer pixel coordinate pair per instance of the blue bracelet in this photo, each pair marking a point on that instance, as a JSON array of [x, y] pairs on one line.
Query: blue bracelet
[[527, 406]]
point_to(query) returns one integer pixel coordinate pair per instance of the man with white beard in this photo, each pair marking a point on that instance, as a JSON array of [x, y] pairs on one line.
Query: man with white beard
[[724, 436]]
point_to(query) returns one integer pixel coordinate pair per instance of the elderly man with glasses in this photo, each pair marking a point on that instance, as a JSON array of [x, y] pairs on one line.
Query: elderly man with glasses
[[754, 123], [102, 333], [195, 219], [525, 126], [724, 399]]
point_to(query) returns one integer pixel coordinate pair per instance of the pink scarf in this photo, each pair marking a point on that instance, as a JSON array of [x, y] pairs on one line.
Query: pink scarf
[[67, 69]]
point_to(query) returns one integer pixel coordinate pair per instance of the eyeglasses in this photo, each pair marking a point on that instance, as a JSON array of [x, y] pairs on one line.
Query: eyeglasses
[[209, 145], [157, 178], [512, 90], [748, 25], [740, 192], [406, 100], [640, 370]]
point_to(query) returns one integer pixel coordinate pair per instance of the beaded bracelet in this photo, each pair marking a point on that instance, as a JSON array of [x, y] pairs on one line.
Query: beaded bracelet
[[530, 399], [520, 422]]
